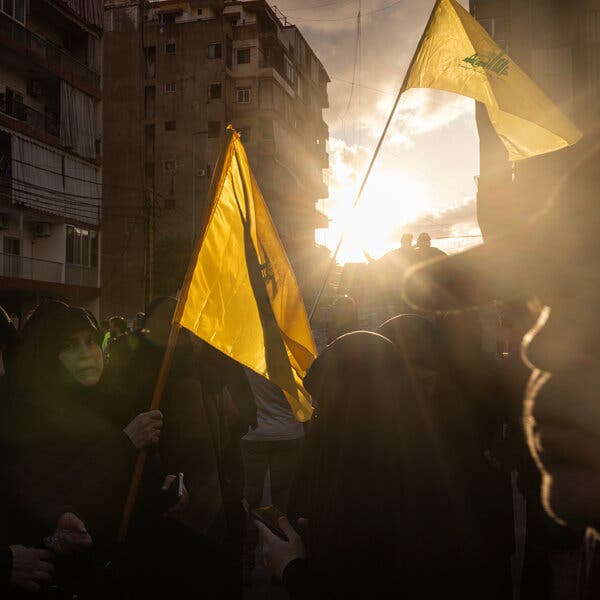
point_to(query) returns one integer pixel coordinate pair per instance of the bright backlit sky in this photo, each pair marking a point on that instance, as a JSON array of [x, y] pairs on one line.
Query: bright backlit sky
[[424, 177]]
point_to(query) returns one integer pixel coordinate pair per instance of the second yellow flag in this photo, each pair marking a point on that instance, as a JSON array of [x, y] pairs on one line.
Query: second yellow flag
[[457, 55]]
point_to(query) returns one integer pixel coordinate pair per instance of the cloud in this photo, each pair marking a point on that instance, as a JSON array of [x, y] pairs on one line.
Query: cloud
[[387, 41], [347, 163], [452, 223]]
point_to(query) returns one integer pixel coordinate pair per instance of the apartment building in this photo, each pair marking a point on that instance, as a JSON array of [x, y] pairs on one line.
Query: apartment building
[[172, 88], [50, 152], [558, 45]]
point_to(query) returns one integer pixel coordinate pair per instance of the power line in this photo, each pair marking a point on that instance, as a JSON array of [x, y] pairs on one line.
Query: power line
[[356, 51], [366, 87], [312, 7], [24, 182], [371, 12], [61, 173]]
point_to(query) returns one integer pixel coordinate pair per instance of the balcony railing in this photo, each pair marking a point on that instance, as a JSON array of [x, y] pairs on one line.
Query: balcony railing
[[22, 267], [54, 56], [37, 120], [80, 275]]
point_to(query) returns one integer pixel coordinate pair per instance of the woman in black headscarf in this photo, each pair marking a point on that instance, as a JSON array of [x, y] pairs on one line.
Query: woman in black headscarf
[[369, 485], [68, 440]]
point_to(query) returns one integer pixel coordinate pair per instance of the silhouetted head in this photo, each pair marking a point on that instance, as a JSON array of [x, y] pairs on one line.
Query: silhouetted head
[[406, 240], [423, 241], [117, 326], [415, 337]]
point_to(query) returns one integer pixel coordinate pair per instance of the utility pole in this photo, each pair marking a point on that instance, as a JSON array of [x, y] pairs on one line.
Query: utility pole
[[150, 229], [147, 193]]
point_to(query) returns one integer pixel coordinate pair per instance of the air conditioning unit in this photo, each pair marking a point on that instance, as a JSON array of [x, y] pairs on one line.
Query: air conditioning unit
[[3, 221], [34, 88], [41, 229], [201, 173]]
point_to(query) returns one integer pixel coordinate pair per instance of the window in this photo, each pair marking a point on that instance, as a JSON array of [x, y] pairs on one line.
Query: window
[[199, 12], [214, 91], [170, 87], [168, 18], [149, 101], [289, 69], [149, 141], [170, 47], [150, 55], [214, 129], [169, 166], [81, 247], [12, 250], [243, 56], [149, 174], [170, 126], [214, 51], [243, 95]]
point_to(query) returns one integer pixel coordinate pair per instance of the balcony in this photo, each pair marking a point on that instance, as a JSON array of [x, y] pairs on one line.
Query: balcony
[[36, 269], [40, 121], [81, 276], [52, 57], [22, 267]]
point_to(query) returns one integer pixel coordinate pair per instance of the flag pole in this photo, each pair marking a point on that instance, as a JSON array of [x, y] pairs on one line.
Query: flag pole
[[366, 177], [356, 201], [143, 454], [165, 367]]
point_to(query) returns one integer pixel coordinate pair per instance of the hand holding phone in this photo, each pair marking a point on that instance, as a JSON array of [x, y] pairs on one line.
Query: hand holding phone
[[269, 515]]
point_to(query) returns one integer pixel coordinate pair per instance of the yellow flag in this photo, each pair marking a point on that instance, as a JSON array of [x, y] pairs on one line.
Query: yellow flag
[[456, 54], [241, 296]]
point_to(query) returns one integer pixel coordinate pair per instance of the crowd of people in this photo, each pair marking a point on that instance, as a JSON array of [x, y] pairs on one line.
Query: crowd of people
[[402, 483]]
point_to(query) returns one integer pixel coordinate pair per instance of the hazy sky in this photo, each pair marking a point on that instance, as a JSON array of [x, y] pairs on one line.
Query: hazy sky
[[424, 178]]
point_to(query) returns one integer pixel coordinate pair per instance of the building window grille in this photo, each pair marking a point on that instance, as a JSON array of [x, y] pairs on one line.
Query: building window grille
[[214, 91], [243, 95], [214, 51], [243, 56], [170, 87], [170, 125], [171, 47], [214, 129]]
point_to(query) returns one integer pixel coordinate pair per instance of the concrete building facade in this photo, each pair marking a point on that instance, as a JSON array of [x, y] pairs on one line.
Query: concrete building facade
[[50, 152], [172, 86], [558, 45]]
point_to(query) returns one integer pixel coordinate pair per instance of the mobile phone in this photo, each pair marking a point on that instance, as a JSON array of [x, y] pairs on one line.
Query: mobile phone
[[269, 515]]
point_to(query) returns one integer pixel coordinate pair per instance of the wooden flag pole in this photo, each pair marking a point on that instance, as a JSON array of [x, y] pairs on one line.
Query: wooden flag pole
[[165, 366], [143, 454]]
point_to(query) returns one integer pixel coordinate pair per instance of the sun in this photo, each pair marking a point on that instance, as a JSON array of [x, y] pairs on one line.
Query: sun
[[389, 201]]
